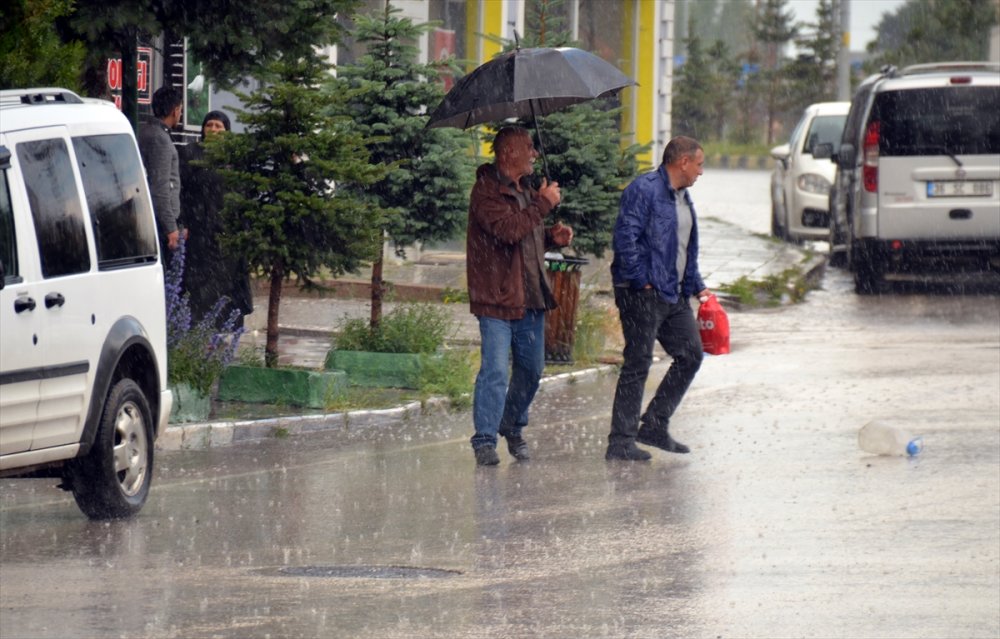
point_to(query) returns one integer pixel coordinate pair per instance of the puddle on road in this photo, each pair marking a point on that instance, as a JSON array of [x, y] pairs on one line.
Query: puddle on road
[[364, 572]]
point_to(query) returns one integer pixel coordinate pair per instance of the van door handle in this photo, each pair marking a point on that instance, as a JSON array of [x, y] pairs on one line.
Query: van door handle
[[960, 214], [54, 299], [22, 304]]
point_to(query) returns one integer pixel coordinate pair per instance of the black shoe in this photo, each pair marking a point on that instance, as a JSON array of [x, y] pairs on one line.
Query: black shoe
[[518, 448], [486, 456], [660, 439], [626, 452]]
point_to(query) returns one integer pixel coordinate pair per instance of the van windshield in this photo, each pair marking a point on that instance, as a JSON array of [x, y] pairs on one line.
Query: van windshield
[[959, 120]]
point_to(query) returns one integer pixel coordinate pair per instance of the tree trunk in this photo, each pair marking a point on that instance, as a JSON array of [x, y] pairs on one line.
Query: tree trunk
[[273, 302], [378, 291], [130, 78]]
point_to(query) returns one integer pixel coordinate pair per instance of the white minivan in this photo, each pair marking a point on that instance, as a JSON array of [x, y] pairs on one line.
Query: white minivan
[[83, 356], [918, 180]]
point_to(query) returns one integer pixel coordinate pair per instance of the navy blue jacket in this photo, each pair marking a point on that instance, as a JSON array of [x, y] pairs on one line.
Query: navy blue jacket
[[645, 239]]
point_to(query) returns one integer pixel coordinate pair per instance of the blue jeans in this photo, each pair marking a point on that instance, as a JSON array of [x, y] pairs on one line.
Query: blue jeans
[[646, 319], [499, 408]]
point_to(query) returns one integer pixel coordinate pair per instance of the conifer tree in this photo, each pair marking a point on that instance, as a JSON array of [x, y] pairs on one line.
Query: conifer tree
[[292, 207], [425, 195], [584, 146]]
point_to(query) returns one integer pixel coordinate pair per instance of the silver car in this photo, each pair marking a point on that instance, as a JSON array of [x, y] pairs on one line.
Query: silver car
[[918, 185]]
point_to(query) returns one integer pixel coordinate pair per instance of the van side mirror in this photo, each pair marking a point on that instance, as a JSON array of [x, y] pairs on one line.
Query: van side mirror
[[845, 158], [824, 150]]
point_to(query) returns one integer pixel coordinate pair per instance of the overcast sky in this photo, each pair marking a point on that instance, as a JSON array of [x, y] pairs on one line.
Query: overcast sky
[[865, 16]]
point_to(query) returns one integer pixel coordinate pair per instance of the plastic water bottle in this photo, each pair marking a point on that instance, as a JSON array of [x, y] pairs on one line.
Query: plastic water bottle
[[881, 438]]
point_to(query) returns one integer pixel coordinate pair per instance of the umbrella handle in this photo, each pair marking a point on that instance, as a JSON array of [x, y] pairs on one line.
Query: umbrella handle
[[538, 133]]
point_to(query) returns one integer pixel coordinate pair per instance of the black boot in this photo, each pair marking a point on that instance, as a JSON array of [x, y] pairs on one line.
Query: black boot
[[660, 438], [626, 452]]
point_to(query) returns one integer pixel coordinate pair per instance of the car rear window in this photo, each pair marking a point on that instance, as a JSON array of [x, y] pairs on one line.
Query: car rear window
[[960, 120]]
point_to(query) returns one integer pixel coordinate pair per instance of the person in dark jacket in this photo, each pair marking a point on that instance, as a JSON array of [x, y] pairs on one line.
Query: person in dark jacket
[[209, 273], [508, 291], [655, 272], [159, 156]]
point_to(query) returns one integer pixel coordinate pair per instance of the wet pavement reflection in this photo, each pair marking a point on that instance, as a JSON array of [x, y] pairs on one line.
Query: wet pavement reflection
[[776, 524]]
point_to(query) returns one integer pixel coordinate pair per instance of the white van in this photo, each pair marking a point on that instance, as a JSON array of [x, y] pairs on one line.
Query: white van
[[918, 181], [83, 355]]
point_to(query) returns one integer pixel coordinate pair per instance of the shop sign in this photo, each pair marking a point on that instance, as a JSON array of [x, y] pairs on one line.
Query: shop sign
[[144, 65]]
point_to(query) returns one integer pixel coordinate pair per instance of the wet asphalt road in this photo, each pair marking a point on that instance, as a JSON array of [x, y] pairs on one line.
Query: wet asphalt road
[[775, 526]]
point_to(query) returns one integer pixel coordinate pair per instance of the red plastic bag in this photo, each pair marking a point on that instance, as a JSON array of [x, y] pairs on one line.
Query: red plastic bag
[[714, 326]]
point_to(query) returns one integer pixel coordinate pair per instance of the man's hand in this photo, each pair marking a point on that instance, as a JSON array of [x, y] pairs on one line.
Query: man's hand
[[550, 191], [562, 235], [173, 240]]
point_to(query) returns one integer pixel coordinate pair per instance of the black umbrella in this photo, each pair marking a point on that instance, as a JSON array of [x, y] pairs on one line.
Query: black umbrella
[[528, 82]]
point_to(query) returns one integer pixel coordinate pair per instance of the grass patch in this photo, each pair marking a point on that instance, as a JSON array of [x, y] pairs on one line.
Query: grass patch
[[789, 286], [734, 149]]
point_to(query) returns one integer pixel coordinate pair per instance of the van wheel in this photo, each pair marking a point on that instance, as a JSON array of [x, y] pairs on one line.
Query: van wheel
[[112, 481]]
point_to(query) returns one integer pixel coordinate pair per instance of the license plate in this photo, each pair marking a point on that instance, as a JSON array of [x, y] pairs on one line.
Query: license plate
[[960, 188]]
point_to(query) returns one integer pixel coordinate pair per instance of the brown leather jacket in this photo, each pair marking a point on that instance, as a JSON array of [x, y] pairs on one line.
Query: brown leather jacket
[[494, 261]]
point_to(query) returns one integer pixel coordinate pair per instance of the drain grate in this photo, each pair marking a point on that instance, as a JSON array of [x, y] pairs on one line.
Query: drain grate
[[368, 572]]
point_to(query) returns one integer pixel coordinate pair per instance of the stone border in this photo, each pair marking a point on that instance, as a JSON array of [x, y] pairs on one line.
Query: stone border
[[227, 433]]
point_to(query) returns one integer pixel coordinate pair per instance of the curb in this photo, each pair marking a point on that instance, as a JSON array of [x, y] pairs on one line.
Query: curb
[[226, 433]]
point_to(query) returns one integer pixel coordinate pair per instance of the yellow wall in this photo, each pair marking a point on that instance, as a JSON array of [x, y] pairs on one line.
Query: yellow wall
[[639, 50]]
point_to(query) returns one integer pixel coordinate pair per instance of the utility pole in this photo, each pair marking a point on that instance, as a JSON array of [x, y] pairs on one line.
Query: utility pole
[[844, 55]]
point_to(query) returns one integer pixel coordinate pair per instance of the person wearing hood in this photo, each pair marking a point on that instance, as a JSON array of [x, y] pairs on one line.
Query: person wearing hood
[[209, 272], [508, 290]]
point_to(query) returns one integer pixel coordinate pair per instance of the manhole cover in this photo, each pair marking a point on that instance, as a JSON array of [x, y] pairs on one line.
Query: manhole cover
[[368, 572]]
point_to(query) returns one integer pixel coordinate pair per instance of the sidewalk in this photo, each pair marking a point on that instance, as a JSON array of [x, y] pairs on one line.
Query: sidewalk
[[308, 319]]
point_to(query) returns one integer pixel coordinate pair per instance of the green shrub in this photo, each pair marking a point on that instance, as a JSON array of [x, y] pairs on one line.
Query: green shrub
[[452, 375], [412, 328]]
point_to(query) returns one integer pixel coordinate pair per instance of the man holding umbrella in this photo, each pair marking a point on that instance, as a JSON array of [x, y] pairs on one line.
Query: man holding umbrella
[[508, 290]]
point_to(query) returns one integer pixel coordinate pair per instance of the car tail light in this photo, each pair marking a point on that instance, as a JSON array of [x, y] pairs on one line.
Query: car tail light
[[961, 79], [869, 171]]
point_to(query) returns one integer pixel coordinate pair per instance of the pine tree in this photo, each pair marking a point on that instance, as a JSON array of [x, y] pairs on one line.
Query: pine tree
[[33, 54], [924, 31], [425, 195], [291, 209], [812, 76], [584, 146], [775, 30]]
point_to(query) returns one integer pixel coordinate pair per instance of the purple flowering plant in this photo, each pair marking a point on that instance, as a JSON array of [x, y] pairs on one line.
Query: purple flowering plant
[[197, 351]]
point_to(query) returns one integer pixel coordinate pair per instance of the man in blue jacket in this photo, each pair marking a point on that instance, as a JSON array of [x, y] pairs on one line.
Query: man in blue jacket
[[655, 272]]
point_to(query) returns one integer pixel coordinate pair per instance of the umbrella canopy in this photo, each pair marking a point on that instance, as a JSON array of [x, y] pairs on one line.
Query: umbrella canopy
[[526, 83]]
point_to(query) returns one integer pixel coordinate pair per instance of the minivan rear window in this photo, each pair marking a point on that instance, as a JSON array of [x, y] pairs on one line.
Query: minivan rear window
[[55, 207], [116, 195], [959, 120]]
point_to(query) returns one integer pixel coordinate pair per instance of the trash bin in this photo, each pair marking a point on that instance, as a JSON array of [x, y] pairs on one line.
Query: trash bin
[[560, 323]]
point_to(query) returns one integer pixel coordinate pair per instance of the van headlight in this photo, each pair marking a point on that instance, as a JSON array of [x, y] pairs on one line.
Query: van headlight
[[812, 183]]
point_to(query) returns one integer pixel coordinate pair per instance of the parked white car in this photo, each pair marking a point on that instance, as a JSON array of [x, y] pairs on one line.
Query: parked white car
[[83, 353], [801, 181]]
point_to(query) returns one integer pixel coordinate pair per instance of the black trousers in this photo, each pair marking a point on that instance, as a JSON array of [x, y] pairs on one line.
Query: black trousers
[[647, 318]]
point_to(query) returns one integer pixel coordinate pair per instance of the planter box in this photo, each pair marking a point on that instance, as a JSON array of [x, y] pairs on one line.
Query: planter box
[[297, 387], [378, 370], [189, 405]]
